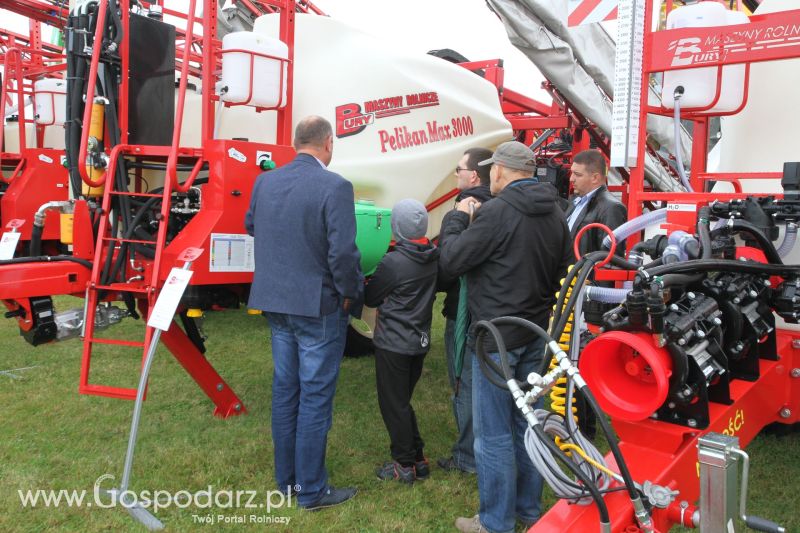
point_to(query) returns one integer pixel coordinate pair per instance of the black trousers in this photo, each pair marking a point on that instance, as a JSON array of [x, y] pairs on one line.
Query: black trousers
[[397, 375]]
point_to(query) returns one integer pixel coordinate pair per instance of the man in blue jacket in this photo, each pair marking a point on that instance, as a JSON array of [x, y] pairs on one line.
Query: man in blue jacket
[[307, 280]]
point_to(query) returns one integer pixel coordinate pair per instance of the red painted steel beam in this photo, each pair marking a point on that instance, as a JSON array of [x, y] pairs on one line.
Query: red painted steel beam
[[540, 123]]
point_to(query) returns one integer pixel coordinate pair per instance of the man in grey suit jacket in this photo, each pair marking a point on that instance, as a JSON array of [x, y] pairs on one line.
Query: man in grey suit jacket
[[306, 281]]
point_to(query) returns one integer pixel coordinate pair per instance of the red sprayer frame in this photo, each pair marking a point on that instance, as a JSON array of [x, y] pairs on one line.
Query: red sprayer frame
[[664, 453]]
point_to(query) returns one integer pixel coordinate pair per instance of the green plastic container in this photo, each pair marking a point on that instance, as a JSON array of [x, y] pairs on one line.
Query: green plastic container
[[373, 233]]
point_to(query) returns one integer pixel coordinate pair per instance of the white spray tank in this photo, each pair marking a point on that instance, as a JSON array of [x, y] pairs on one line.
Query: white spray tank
[[262, 65], [700, 84], [402, 120], [50, 101]]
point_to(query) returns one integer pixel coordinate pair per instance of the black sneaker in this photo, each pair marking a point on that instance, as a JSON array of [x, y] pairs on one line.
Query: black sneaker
[[422, 469], [393, 470], [449, 464], [332, 497]]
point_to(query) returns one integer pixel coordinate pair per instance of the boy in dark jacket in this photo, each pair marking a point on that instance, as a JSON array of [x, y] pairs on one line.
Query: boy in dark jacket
[[403, 289]]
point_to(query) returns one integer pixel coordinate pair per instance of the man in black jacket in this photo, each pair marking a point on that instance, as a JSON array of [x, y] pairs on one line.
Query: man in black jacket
[[592, 202], [513, 253], [472, 182], [403, 289]]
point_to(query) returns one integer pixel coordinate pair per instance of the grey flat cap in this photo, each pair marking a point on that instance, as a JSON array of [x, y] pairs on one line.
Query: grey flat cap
[[513, 154]]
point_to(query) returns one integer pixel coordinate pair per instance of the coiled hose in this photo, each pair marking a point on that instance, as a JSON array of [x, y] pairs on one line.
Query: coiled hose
[[558, 395]]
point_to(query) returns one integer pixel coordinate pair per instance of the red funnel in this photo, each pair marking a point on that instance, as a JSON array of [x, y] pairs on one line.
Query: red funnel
[[627, 373]]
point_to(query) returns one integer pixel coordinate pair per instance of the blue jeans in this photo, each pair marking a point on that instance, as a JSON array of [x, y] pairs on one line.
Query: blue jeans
[[463, 450], [509, 486], [306, 354]]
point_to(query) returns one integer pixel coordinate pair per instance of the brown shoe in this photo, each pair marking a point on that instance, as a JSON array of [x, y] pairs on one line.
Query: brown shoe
[[470, 525]]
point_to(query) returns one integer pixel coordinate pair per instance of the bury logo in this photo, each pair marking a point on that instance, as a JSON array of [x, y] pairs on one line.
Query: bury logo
[[685, 50], [350, 120], [688, 51], [353, 118]]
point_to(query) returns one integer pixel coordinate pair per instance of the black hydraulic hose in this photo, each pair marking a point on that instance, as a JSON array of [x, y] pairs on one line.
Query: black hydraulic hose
[[163, 166], [766, 245], [36, 240], [717, 265], [568, 280], [46, 259], [704, 232], [588, 483], [118, 33], [109, 255], [569, 305], [680, 280], [133, 224], [489, 326], [76, 88], [613, 443], [489, 367]]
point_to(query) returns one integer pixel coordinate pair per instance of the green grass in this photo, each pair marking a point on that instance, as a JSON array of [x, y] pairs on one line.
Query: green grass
[[53, 438]]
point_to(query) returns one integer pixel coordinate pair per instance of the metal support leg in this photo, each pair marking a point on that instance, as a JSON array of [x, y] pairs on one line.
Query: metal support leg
[[718, 482]]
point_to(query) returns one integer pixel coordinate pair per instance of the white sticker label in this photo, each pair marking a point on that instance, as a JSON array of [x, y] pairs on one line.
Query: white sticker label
[[170, 297], [8, 244], [237, 155], [231, 252], [688, 208], [45, 158]]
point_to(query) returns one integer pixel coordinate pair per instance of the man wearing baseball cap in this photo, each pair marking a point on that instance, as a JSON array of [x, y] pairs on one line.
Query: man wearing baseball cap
[[513, 253]]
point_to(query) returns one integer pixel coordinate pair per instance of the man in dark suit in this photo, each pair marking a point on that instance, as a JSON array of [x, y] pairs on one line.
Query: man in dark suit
[[592, 203], [306, 281]]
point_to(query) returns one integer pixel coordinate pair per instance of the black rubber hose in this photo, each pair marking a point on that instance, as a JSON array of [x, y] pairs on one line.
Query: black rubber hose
[[590, 485], [766, 245], [576, 270], [489, 367], [118, 33], [36, 240], [719, 265], [680, 280], [613, 443], [704, 232], [489, 326], [46, 259]]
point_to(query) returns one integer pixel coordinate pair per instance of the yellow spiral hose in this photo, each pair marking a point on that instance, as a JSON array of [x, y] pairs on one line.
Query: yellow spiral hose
[[558, 395]]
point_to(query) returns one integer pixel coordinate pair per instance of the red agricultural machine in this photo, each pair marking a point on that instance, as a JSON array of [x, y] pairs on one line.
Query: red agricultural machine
[[696, 342]]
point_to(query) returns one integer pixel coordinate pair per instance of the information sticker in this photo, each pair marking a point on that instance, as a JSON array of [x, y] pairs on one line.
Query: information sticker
[[170, 297], [231, 252], [8, 244]]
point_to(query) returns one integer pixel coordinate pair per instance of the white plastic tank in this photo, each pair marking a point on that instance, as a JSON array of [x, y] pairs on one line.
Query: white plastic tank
[[11, 136], [50, 101], [760, 138], [700, 84], [401, 120], [268, 87]]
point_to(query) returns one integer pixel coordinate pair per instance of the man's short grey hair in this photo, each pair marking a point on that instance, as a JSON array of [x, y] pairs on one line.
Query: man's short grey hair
[[312, 131]]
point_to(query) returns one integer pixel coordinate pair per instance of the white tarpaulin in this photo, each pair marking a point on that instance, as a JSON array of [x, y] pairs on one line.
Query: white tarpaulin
[[579, 61]]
